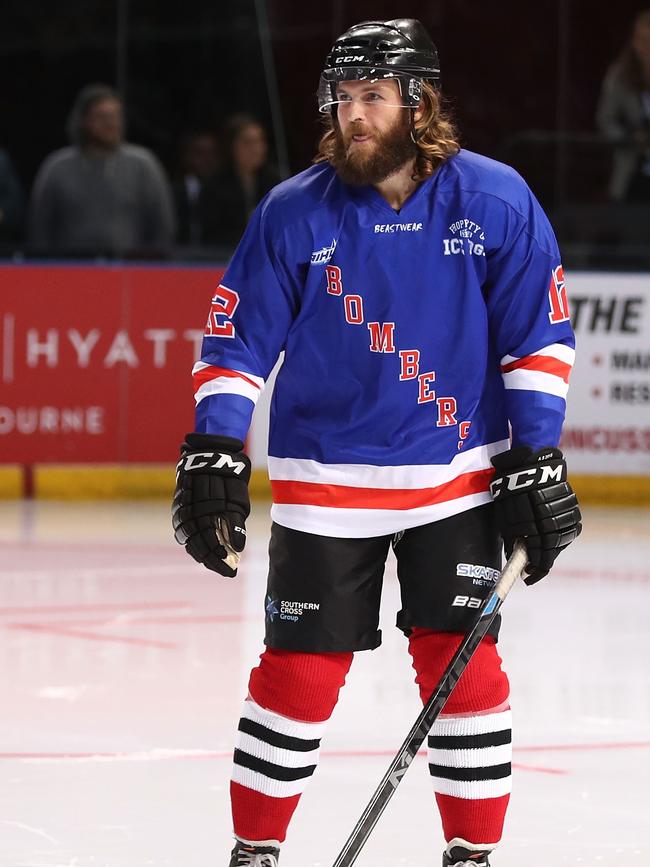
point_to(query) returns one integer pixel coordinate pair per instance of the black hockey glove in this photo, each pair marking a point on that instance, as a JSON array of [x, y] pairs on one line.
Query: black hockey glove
[[211, 501], [534, 502]]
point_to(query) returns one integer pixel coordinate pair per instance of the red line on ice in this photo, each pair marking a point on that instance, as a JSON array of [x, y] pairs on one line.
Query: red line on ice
[[159, 621], [227, 754], [94, 545], [550, 748], [93, 636], [98, 606]]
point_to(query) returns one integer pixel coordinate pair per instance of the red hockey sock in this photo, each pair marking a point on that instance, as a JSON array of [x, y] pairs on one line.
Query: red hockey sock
[[470, 743], [291, 697]]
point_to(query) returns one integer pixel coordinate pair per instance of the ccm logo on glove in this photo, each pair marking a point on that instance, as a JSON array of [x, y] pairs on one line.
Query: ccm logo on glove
[[534, 501], [195, 461], [537, 476]]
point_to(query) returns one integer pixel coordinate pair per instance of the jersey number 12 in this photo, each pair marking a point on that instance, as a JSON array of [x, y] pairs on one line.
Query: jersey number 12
[[557, 297], [222, 308]]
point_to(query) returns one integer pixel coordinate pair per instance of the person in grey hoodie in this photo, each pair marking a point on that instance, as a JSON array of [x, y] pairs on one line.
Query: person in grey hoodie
[[623, 115], [101, 196]]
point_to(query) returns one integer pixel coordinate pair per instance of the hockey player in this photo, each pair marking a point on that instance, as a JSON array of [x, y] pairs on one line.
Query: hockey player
[[417, 293]]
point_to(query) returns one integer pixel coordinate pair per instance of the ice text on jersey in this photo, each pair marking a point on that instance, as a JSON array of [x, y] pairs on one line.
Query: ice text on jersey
[[467, 237]]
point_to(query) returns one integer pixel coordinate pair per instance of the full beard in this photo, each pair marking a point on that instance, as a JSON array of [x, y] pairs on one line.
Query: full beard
[[362, 165]]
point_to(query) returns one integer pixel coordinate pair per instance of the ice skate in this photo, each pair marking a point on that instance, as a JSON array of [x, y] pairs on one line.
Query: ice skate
[[460, 853], [246, 855]]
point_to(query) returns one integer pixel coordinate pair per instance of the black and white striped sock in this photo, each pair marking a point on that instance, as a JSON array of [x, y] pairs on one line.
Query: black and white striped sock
[[274, 755], [470, 756]]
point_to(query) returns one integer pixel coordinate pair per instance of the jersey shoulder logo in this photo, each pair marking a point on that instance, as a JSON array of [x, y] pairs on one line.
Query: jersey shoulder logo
[[322, 256], [467, 238]]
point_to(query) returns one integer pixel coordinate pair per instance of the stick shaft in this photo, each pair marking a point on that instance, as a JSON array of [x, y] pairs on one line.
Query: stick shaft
[[415, 738]]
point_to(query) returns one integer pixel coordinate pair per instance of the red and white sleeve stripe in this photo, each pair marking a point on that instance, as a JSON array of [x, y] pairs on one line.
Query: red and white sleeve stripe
[[547, 370], [209, 380]]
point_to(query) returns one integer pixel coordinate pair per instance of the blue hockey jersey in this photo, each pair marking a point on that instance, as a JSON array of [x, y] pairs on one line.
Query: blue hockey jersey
[[412, 339]]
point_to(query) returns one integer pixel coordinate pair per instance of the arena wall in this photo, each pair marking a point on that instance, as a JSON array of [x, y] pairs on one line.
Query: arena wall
[[95, 387]]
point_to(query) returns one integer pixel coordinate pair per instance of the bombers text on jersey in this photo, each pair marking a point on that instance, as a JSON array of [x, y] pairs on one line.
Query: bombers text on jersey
[[411, 340]]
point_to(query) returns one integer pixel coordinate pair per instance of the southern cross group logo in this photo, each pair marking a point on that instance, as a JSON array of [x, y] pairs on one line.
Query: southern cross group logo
[[271, 608]]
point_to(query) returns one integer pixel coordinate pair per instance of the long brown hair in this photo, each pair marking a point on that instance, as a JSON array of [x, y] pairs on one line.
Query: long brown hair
[[434, 132]]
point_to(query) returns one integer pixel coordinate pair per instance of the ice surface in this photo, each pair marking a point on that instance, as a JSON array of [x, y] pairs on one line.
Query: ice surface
[[124, 665]]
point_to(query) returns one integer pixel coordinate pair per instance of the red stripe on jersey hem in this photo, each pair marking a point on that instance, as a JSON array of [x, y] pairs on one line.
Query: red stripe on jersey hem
[[206, 374], [343, 497], [543, 363]]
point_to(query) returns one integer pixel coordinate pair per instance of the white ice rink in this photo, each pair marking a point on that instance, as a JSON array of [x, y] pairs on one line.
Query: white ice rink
[[124, 665]]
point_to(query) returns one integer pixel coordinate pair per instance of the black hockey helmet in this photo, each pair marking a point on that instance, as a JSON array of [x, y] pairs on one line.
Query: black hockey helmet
[[373, 50]]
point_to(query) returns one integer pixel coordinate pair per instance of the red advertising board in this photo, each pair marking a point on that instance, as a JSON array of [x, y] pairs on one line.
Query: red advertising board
[[95, 361]]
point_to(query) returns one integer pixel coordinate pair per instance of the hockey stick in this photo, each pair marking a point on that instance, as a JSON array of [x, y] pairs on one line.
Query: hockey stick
[[415, 738]]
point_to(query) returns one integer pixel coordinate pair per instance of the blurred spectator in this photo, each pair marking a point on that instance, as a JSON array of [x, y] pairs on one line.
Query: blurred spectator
[[101, 196], [12, 203], [199, 160], [231, 195], [624, 115]]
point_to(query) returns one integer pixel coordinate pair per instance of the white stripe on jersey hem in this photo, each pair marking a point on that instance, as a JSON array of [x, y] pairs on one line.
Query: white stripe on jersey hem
[[364, 523], [536, 380], [278, 756], [227, 385], [308, 731], [482, 757], [474, 790], [408, 477], [267, 786], [258, 380], [554, 350], [473, 725]]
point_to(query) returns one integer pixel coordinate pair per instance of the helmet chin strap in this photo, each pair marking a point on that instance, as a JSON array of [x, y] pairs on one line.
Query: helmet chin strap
[[414, 135]]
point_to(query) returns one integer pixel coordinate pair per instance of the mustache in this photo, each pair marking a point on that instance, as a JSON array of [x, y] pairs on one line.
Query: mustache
[[356, 128]]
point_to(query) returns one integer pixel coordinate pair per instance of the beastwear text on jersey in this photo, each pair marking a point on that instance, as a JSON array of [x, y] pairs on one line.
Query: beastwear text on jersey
[[397, 227]]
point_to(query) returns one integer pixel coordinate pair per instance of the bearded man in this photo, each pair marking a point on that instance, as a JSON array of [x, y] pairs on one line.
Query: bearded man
[[417, 292]]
